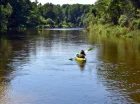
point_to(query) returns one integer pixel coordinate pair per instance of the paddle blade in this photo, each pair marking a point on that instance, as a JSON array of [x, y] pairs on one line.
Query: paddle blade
[[90, 49], [71, 59]]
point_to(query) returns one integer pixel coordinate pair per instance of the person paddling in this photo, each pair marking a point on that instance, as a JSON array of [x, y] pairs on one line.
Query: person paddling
[[82, 54]]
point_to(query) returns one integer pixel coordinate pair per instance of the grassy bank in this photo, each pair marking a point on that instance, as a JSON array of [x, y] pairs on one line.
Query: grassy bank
[[114, 30]]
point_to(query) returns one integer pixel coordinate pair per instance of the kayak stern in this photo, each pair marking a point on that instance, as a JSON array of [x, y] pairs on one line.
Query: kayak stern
[[80, 59]]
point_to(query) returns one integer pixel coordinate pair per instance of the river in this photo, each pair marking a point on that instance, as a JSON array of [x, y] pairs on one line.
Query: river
[[35, 68]]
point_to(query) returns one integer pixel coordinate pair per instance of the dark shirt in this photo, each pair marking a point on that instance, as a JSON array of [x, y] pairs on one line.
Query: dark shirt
[[82, 52]]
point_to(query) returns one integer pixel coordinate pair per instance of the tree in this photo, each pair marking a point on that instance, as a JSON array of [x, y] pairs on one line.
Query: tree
[[5, 13], [21, 12]]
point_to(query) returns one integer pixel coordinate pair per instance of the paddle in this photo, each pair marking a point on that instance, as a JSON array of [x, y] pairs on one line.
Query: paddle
[[71, 59], [90, 49]]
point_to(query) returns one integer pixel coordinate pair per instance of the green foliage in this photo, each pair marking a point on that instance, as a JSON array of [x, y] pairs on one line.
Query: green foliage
[[111, 30], [123, 20], [21, 12], [133, 34], [47, 11], [135, 24], [5, 13], [113, 11], [87, 19], [50, 22], [26, 14]]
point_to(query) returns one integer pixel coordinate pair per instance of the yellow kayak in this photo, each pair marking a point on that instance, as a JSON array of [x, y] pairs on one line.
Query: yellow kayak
[[80, 59]]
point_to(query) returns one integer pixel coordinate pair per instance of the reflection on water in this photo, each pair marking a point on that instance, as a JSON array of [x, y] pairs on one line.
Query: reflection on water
[[5, 70], [65, 29], [81, 65], [35, 68], [119, 65]]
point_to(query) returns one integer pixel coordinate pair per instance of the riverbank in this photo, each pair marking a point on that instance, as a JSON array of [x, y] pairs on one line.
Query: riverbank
[[114, 30]]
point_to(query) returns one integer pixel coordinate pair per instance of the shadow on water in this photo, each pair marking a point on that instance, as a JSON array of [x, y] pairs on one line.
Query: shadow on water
[[119, 67], [81, 65], [13, 52]]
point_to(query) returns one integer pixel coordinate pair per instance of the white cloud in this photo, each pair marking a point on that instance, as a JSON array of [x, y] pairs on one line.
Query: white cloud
[[67, 1]]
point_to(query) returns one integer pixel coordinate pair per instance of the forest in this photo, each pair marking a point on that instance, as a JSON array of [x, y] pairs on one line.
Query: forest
[[103, 16]]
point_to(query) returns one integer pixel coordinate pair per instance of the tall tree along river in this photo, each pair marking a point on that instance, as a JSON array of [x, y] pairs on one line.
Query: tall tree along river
[[35, 68]]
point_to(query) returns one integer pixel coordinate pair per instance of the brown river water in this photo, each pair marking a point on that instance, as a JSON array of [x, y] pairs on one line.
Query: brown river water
[[35, 68]]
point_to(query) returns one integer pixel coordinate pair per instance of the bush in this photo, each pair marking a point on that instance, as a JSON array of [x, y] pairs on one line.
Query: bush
[[50, 21], [135, 24], [123, 20], [40, 27]]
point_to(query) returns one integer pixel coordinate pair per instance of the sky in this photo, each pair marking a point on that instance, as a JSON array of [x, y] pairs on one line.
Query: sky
[[66, 1]]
